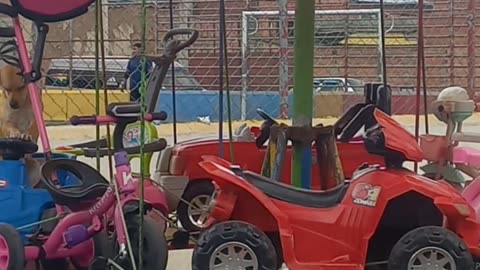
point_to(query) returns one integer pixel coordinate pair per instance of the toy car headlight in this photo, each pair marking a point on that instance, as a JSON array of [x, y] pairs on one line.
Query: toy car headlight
[[462, 209]]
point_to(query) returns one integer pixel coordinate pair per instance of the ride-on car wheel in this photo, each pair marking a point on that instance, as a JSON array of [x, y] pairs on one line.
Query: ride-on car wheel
[[155, 247], [234, 245], [198, 195], [429, 247], [12, 254]]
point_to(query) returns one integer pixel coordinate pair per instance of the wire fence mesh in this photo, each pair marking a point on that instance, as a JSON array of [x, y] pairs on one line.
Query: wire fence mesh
[[260, 38]]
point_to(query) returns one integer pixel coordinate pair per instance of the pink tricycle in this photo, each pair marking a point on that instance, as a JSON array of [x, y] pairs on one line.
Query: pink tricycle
[[83, 211]]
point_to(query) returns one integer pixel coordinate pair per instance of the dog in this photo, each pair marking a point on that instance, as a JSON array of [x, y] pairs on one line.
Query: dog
[[16, 114]]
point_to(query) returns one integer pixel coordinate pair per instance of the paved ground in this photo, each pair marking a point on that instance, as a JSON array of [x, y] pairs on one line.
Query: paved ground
[[180, 260]]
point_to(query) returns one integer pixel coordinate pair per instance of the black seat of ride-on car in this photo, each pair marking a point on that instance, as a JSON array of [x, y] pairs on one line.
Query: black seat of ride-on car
[[297, 196], [92, 184]]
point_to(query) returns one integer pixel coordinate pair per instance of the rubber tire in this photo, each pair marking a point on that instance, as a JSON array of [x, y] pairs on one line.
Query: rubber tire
[[16, 249], [429, 236], [234, 231], [193, 190], [158, 247], [102, 248]]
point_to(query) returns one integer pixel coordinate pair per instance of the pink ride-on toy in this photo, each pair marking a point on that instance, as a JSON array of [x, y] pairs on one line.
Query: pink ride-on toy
[[84, 211], [447, 158]]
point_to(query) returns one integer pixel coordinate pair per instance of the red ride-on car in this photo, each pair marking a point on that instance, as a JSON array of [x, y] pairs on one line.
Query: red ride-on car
[[383, 218], [179, 172]]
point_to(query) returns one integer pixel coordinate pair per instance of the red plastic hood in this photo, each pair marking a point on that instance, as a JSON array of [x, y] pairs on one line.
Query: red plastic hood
[[209, 145], [197, 140], [397, 138]]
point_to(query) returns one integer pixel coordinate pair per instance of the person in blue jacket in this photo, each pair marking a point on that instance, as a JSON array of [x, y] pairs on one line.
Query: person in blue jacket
[[134, 71]]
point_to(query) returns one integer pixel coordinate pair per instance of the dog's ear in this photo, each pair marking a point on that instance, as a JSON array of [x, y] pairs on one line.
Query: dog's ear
[[10, 78]]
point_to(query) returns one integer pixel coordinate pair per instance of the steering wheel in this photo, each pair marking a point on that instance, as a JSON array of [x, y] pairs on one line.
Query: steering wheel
[[15, 149], [265, 128], [267, 117]]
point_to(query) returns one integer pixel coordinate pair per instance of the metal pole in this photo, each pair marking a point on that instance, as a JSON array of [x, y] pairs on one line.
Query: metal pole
[[174, 91], [106, 30], [380, 47], [452, 43], [471, 48], [419, 72], [283, 65], [243, 104], [382, 40], [302, 90], [221, 60], [70, 43]]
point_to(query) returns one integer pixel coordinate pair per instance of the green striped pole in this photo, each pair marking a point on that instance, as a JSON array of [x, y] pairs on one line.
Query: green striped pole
[[303, 93]]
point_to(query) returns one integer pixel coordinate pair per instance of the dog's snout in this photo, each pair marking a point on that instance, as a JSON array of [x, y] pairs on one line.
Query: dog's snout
[[14, 104]]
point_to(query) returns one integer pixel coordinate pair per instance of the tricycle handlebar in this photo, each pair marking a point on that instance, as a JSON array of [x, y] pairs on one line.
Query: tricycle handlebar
[[181, 45], [8, 10], [106, 119]]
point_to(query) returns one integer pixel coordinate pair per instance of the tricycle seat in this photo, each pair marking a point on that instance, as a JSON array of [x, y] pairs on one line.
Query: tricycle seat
[[92, 184], [124, 109], [297, 196], [466, 155]]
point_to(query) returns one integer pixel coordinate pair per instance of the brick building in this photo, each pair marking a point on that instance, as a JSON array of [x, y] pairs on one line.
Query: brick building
[[445, 41]]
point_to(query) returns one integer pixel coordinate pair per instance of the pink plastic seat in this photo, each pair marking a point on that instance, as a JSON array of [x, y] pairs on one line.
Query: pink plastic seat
[[466, 155], [472, 194]]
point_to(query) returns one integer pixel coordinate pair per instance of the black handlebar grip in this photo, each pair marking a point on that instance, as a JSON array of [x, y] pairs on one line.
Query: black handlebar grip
[[158, 116], [156, 146], [8, 10], [83, 120], [181, 31], [7, 32]]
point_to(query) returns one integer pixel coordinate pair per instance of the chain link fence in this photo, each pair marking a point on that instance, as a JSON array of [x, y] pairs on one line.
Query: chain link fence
[[260, 35]]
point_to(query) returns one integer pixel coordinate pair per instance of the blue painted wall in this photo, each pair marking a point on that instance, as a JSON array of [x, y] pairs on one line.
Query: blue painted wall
[[192, 104]]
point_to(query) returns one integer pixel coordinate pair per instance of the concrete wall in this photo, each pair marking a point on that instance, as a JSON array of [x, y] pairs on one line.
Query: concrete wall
[[61, 105]]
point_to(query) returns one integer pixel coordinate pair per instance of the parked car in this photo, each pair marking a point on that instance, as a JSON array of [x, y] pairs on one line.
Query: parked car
[[79, 73], [335, 84]]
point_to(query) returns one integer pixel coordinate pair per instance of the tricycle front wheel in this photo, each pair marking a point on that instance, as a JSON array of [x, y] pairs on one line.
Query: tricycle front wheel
[[155, 247]]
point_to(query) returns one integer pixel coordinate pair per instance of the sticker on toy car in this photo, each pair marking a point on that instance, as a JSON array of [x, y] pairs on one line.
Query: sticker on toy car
[[366, 194]]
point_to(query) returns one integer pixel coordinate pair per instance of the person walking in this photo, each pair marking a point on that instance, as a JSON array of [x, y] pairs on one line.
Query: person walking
[[134, 71]]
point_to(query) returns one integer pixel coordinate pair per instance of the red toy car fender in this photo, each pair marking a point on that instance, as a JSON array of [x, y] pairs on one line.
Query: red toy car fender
[[353, 221]]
